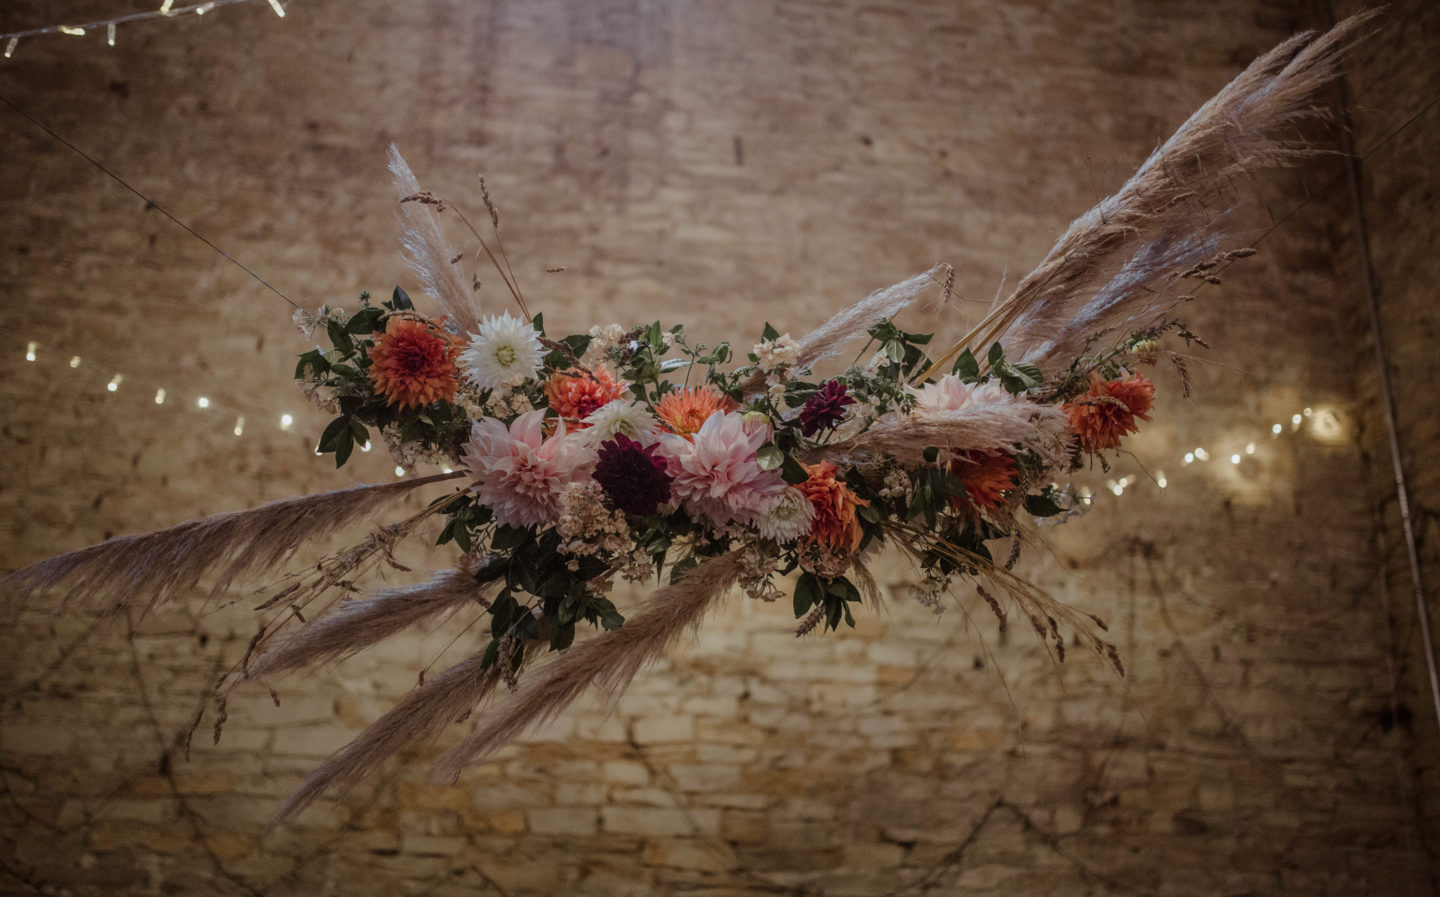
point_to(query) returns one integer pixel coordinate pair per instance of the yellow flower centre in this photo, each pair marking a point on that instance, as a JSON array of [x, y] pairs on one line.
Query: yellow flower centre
[[505, 355]]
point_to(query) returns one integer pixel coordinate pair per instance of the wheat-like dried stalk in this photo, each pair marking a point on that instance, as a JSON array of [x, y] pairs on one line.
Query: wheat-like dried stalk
[[429, 253], [1112, 262], [166, 564], [608, 661], [985, 427]]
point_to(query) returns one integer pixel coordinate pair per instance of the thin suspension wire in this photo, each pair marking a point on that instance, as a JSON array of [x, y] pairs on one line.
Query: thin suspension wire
[[122, 182], [162, 13]]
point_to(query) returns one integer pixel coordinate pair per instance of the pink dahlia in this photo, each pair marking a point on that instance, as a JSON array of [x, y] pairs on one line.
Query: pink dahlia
[[715, 470], [519, 473]]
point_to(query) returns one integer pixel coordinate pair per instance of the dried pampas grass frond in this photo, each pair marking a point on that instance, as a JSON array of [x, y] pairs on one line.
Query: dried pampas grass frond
[[999, 426], [1164, 219], [164, 565], [428, 252], [419, 715], [363, 622], [608, 661]]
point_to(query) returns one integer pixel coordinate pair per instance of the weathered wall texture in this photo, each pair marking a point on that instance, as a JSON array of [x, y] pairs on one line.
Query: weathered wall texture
[[721, 164]]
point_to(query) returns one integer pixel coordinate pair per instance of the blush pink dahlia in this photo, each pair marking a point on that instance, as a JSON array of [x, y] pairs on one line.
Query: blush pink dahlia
[[716, 473], [519, 473], [632, 476]]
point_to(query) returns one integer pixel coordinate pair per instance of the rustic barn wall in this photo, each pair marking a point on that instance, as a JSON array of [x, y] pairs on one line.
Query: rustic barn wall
[[720, 164]]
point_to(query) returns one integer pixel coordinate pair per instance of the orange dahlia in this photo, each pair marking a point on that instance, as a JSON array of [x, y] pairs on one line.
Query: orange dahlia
[[685, 409], [574, 393], [1108, 411], [412, 364], [987, 476], [835, 525]]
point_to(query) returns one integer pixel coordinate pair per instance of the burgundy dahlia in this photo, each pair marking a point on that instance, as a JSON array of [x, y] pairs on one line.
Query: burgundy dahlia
[[632, 476], [825, 409]]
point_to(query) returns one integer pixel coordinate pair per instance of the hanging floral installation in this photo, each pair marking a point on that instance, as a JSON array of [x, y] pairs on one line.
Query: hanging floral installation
[[635, 452]]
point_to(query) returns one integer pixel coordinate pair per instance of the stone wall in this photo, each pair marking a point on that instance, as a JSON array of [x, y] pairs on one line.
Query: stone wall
[[722, 164]]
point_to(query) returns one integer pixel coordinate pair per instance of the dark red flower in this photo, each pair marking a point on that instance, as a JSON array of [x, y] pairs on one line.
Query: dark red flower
[[825, 409], [632, 475]]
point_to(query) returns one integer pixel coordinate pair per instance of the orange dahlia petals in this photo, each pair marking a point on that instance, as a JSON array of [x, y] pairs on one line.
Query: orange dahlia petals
[[574, 394], [684, 410], [987, 476], [835, 524], [1108, 411], [412, 364]]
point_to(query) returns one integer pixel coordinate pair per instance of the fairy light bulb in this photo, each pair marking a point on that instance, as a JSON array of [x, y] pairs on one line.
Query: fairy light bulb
[[1189, 457], [1277, 428], [10, 47], [114, 383], [285, 421], [279, 10], [72, 30], [1202, 454], [165, 7], [110, 34], [240, 425], [1160, 480], [74, 361], [203, 402], [204, 8], [446, 470], [160, 396], [366, 446], [30, 351], [1249, 448], [1235, 459], [399, 471]]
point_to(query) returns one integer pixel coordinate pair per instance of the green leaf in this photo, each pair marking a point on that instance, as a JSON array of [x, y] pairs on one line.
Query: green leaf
[[344, 448], [358, 430], [562, 637], [769, 332], [869, 513], [538, 322], [966, 367], [330, 438], [807, 591], [364, 320], [1041, 506], [792, 471], [682, 566], [997, 355], [894, 350], [611, 619], [509, 538], [400, 300], [769, 457]]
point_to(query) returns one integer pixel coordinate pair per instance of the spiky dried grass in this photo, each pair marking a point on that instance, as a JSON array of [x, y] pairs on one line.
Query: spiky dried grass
[[608, 661], [1113, 264], [166, 564], [984, 427], [429, 253]]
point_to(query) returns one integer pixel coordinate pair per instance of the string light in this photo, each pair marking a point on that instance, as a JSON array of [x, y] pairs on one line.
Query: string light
[[1249, 448], [1202, 454], [30, 351], [75, 361], [366, 446], [1235, 459], [285, 421], [160, 396], [114, 383], [1160, 480], [399, 471], [167, 10], [240, 425], [203, 402], [1276, 428], [1189, 457]]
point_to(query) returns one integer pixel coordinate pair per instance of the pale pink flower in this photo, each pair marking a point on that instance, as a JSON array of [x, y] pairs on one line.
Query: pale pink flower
[[716, 473], [519, 474], [950, 393]]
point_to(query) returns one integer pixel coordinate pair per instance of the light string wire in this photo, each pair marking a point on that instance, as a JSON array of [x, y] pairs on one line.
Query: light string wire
[[166, 11]]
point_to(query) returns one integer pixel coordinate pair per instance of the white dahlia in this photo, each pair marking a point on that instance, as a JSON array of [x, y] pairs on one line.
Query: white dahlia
[[506, 352], [630, 419], [788, 517]]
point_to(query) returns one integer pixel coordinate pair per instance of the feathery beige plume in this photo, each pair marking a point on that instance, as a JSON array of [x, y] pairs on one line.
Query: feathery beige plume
[[163, 565], [429, 253]]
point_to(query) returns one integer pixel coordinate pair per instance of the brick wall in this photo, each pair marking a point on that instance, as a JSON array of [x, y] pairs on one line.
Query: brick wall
[[721, 164]]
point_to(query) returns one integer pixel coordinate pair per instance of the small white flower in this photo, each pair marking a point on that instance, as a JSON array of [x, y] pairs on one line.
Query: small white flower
[[778, 353], [626, 418], [788, 517], [505, 352]]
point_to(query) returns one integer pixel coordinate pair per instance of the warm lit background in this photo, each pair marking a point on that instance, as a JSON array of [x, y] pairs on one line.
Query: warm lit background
[[724, 164]]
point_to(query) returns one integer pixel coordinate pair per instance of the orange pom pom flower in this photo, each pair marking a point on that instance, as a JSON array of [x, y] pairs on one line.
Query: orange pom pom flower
[[1108, 411], [987, 476], [412, 364], [574, 394]]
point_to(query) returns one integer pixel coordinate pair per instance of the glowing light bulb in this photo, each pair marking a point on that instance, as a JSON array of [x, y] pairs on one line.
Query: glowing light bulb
[[110, 34], [1202, 454], [75, 361], [1295, 420], [1189, 457], [30, 351], [1307, 412], [114, 383], [1234, 459], [1160, 480], [204, 8], [446, 470], [1249, 448], [165, 7], [399, 471], [285, 421], [160, 396], [71, 29], [240, 425], [203, 402], [279, 10], [10, 47], [1276, 428]]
